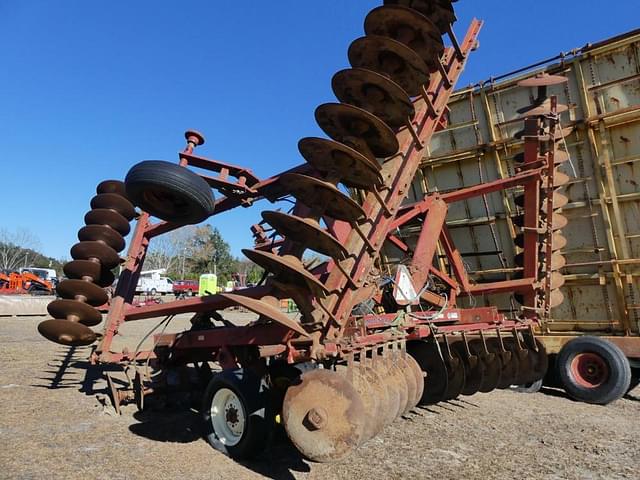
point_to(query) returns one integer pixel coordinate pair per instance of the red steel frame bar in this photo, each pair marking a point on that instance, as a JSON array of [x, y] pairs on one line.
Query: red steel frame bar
[[401, 169]]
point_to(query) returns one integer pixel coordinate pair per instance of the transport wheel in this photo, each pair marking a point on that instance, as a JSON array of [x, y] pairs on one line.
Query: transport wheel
[[323, 416], [431, 362], [169, 192], [593, 370], [237, 414]]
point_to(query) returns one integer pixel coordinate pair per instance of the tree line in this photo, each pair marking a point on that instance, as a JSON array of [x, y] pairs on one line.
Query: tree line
[[185, 254]]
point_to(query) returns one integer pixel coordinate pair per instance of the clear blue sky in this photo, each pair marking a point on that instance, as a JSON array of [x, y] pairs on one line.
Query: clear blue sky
[[88, 88]]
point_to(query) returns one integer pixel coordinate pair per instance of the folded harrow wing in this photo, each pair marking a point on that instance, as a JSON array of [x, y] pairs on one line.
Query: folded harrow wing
[[371, 342]]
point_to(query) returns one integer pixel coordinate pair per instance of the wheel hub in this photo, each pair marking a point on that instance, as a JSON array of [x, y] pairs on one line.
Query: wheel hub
[[589, 369]]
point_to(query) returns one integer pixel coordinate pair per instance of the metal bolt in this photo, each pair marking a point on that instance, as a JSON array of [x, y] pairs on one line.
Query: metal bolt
[[318, 417]]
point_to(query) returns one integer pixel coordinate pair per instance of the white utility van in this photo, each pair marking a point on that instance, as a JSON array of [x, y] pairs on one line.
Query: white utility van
[[153, 282]]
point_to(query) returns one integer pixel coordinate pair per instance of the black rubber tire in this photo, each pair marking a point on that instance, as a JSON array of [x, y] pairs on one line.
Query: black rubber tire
[[619, 378], [253, 393], [169, 192]]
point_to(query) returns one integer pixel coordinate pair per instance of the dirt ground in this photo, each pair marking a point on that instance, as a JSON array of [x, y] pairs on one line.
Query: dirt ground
[[54, 424]]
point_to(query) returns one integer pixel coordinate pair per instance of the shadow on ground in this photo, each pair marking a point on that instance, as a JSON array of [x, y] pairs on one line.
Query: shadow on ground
[[185, 426]]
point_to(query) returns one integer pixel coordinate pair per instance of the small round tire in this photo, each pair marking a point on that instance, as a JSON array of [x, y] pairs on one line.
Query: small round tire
[[593, 370], [237, 413], [169, 192]]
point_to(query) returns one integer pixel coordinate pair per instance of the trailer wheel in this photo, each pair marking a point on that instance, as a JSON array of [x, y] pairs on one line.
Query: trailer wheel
[[593, 370], [170, 192], [237, 414]]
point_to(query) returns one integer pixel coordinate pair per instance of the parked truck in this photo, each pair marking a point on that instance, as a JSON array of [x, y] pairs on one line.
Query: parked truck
[[154, 282]]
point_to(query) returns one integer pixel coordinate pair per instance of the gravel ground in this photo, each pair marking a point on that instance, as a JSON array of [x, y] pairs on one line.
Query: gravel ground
[[53, 424]]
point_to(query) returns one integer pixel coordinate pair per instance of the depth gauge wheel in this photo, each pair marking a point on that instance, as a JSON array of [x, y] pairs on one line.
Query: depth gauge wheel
[[170, 192], [594, 370], [237, 414]]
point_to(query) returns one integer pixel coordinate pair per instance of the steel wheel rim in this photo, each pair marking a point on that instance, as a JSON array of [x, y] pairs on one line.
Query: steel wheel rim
[[228, 417], [589, 370]]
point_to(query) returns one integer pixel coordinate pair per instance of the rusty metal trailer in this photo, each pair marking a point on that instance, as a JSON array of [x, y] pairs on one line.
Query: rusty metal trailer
[[601, 275]]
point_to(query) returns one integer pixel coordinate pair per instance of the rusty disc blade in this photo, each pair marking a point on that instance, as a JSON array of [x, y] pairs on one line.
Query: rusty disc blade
[[83, 291], [107, 256], [558, 221], [540, 109], [558, 261], [543, 80], [410, 379], [357, 128], [102, 233], [317, 193], [341, 162], [407, 26], [307, 232], [83, 268], [267, 311], [455, 376], [392, 59], [559, 180], [106, 279], [539, 360], [113, 201], [323, 416], [440, 13], [360, 380], [91, 270], [556, 298], [380, 390], [287, 268], [112, 186], [559, 200], [473, 370], [103, 216], [492, 366], [435, 382], [391, 394], [68, 333], [558, 241], [509, 363], [522, 358], [74, 311], [557, 280], [399, 382], [419, 377], [375, 93]]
